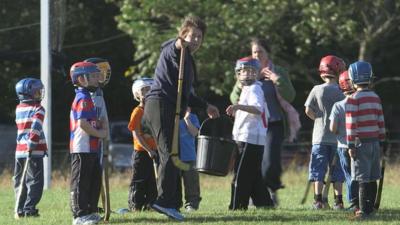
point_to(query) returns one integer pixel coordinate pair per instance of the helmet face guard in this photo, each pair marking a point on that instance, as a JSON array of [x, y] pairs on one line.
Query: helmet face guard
[[29, 89], [345, 83], [139, 85], [105, 68], [85, 69], [247, 70]]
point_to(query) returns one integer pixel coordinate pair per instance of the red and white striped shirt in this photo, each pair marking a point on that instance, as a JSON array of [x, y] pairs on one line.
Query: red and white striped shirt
[[364, 118]]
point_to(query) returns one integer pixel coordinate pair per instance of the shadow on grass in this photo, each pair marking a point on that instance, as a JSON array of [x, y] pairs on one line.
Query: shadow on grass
[[384, 215]]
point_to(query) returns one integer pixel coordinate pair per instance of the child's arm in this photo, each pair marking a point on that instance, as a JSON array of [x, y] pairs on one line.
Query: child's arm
[[193, 130], [310, 113], [36, 127], [247, 108], [139, 138], [85, 126]]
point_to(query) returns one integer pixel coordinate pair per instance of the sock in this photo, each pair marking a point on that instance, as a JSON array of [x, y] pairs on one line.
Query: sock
[[363, 197], [318, 197], [338, 199]]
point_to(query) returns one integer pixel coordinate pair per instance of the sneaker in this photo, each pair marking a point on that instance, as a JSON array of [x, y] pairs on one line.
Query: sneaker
[[359, 215], [170, 212], [317, 205], [190, 208], [274, 198], [94, 217], [84, 220], [338, 206]]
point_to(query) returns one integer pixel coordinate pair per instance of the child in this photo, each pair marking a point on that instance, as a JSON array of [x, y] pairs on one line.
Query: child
[[31, 147], [143, 188], [84, 145], [188, 130], [249, 131], [318, 108], [364, 123], [338, 127], [101, 109]]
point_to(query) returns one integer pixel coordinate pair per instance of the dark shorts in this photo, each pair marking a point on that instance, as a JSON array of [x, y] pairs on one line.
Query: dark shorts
[[366, 167]]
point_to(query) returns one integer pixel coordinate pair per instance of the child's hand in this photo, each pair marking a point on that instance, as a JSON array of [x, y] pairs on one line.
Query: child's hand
[[152, 154], [231, 110], [102, 133], [352, 153]]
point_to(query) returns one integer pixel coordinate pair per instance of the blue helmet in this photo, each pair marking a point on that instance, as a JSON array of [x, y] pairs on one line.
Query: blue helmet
[[82, 68], [360, 72], [247, 62], [27, 88]]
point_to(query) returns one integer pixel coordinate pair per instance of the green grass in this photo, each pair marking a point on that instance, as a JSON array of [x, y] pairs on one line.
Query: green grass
[[54, 206]]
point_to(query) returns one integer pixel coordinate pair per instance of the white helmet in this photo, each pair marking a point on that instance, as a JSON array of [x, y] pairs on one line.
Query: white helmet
[[139, 84]]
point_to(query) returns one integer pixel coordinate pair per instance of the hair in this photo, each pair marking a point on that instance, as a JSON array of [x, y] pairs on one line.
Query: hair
[[192, 22], [259, 42]]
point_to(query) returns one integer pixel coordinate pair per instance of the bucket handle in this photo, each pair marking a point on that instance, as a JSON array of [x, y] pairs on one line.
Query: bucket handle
[[225, 117]]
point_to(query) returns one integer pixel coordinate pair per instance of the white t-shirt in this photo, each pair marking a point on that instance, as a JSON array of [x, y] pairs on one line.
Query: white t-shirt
[[248, 127]]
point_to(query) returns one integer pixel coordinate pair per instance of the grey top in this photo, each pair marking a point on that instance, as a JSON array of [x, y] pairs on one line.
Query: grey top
[[338, 116], [320, 100]]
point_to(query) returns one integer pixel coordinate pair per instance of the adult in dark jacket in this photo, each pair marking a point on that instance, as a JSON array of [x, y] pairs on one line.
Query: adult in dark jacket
[[160, 107]]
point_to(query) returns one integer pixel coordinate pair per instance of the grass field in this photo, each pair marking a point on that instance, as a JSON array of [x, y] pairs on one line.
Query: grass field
[[54, 206]]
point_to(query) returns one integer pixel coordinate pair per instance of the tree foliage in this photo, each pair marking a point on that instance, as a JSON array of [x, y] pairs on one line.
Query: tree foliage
[[299, 32]]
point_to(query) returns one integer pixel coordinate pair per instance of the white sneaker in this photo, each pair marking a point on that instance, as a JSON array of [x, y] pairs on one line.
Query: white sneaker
[[84, 220], [95, 217]]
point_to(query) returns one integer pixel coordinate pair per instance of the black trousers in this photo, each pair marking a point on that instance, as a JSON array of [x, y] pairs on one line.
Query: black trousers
[[159, 117], [271, 168], [143, 188], [85, 183], [247, 181]]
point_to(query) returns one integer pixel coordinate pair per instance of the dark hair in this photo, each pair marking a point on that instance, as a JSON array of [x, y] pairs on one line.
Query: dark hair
[[262, 43], [192, 22]]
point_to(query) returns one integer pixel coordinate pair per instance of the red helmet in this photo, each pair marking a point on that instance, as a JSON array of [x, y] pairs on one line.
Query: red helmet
[[331, 65], [345, 83]]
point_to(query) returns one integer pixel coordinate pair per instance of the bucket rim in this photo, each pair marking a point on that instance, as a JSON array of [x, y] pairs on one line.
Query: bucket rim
[[217, 138]]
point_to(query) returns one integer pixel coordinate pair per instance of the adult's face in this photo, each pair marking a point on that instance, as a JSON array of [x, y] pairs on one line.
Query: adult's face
[[258, 52], [194, 38]]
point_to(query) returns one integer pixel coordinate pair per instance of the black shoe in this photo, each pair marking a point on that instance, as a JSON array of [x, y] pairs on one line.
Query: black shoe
[[33, 213]]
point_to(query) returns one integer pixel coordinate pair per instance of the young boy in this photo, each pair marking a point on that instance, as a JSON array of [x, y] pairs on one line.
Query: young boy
[[84, 145], [249, 131], [31, 147], [318, 108], [101, 110], [143, 188], [364, 123], [188, 130], [338, 127]]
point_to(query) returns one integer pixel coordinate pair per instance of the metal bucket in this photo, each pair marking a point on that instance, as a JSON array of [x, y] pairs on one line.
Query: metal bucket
[[215, 147]]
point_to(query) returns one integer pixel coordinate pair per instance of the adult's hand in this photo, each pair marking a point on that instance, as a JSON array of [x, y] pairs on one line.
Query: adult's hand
[[268, 74], [212, 111]]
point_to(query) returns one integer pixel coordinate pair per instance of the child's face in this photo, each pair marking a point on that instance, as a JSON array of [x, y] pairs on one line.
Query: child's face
[[247, 75], [90, 80], [143, 92], [194, 38]]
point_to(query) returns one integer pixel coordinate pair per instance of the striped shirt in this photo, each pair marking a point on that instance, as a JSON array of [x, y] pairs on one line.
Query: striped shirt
[[364, 118], [30, 136], [82, 108]]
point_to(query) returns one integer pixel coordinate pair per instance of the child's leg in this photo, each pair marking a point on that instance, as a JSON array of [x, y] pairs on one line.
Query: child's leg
[[259, 192], [18, 168], [95, 183], [34, 184], [241, 186], [338, 178], [317, 169], [138, 185], [192, 187], [81, 172], [151, 185]]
